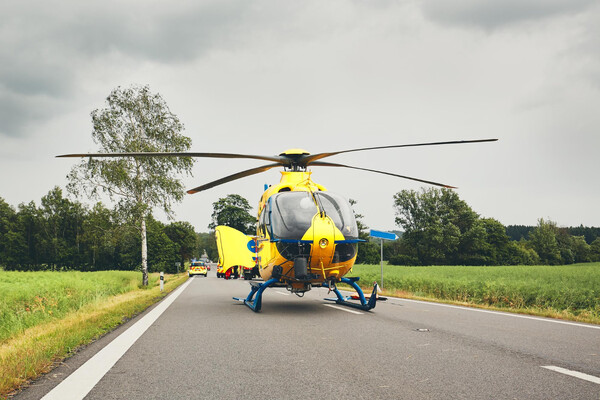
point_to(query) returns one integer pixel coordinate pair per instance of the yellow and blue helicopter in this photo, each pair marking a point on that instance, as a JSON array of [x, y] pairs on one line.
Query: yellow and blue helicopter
[[306, 236]]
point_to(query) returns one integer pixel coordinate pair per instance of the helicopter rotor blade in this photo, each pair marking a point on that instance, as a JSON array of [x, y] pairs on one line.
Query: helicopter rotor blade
[[233, 177], [326, 164], [278, 159], [309, 159]]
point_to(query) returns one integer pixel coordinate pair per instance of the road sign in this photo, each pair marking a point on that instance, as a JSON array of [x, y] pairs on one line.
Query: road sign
[[383, 235]]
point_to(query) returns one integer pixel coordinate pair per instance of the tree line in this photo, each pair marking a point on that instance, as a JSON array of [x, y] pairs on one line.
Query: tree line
[[61, 234], [438, 228], [519, 232], [441, 229]]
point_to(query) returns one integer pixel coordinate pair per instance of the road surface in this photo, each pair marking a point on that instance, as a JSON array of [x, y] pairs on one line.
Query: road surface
[[205, 345]]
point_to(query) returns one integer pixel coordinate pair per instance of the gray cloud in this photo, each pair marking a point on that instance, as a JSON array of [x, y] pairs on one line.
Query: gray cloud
[[47, 49], [165, 34], [18, 112], [44, 47], [493, 14]]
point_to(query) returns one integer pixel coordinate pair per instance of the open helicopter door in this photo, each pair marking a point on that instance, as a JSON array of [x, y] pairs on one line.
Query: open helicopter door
[[233, 247]]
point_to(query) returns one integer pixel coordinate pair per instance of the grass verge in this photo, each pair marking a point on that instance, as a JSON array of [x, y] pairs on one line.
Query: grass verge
[[34, 351], [569, 292]]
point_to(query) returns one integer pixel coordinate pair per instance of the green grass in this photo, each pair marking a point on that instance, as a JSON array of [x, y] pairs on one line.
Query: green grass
[[48, 315], [566, 291], [30, 298]]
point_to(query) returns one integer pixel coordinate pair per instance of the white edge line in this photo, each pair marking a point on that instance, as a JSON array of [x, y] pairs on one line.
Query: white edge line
[[580, 375], [77, 385], [504, 313], [343, 309]]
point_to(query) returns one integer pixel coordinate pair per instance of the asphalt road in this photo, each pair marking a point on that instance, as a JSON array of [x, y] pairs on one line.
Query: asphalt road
[[207, 346]]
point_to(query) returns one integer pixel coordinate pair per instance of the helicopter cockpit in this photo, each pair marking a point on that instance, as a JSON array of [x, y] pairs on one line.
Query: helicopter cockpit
[[289, 215]]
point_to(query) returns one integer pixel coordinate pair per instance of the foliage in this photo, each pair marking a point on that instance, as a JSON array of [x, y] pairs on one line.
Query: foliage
[[569, 290], [8, 221], [589, 233], [595, 250], [184, 237], [66, 235], [233, 211], [63, 235], [369, 252], [440, 228], [518, 232], [543, 240], [208, 243], [135, 120]]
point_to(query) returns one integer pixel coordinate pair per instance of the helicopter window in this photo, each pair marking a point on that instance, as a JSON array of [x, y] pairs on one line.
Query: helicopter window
[[291, 214], [339, 210], [262, 223]]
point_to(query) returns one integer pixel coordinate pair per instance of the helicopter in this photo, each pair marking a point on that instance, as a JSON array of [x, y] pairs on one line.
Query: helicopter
[[306, 235]]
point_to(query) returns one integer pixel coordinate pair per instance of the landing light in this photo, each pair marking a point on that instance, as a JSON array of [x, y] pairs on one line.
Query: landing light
[[323, 243]]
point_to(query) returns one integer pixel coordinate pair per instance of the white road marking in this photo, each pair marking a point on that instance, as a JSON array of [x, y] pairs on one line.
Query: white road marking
[[282, 293], [506, 314], [343, 309], [77, 385], [580, 375]]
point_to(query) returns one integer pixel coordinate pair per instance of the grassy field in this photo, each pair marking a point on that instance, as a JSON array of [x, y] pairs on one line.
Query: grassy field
[[566, 291], [44, 316], [31, 298]]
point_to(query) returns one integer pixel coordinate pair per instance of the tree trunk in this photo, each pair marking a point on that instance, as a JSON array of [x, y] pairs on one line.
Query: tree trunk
[[144, 254]]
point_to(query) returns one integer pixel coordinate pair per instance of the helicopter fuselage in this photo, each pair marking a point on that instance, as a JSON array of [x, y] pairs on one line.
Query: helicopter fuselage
[[305, 235]]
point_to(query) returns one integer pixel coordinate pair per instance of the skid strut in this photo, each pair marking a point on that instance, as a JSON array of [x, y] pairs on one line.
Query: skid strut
[[256, 289], [345, 300]]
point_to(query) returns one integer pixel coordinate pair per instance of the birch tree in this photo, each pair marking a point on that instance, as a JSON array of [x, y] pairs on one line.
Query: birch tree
[[135, 120]]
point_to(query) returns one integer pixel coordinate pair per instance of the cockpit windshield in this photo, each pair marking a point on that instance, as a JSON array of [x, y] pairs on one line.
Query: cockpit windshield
[[338, 209], [291, 213]]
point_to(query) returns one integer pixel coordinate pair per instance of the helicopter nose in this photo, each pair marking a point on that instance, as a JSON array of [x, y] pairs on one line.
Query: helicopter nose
[[322, 233]]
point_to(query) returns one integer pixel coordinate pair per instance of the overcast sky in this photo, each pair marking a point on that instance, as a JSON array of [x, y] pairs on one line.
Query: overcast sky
[[264, 76]]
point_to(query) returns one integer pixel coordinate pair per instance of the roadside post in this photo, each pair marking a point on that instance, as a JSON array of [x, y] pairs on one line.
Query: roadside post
[[382, 236], [162, 281]]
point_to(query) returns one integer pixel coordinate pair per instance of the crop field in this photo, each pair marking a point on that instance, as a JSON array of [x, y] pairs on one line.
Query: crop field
[[31, 298], [566, 291], [44, 316]]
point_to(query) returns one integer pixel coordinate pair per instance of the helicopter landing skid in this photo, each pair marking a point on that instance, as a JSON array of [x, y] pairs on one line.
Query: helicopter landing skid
[[257, 289], [345, 300]]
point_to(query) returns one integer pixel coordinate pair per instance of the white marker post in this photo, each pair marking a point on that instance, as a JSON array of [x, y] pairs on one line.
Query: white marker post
[[162, 281], [382, 235]]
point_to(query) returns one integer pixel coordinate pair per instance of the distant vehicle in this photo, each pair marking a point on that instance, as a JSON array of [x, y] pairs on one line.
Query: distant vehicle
[[198, 268], [250, 272], [230, 272]]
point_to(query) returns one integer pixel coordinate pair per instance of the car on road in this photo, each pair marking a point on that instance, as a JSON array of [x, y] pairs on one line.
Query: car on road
[[198, 268]]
